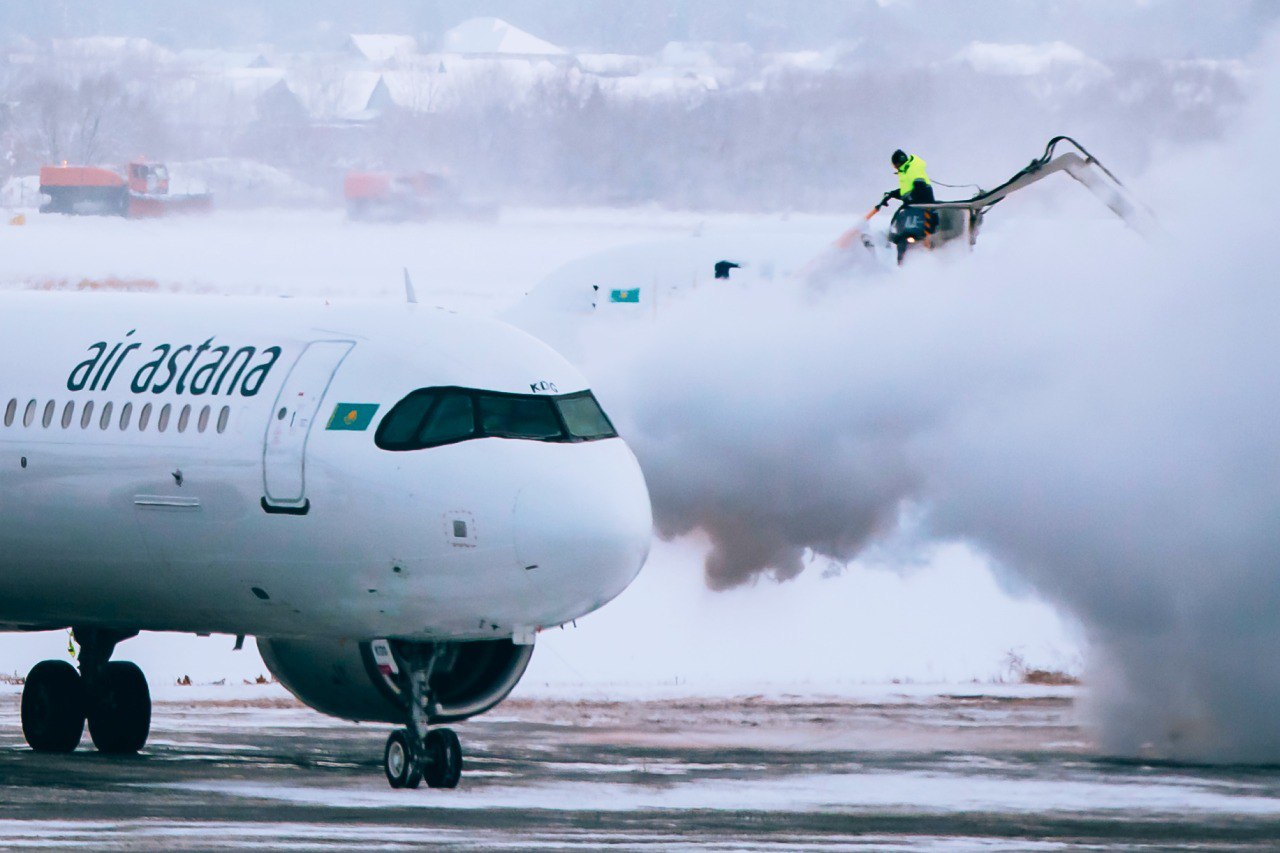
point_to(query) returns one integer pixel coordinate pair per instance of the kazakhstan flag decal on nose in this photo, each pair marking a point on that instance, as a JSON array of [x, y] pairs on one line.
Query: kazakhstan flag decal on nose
[[353, 416]]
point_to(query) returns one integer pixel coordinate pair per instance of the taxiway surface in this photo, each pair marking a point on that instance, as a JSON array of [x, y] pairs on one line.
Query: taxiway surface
[[947, 771]]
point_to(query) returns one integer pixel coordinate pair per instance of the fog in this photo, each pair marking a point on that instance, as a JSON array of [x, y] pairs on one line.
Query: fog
[[1091, 413]]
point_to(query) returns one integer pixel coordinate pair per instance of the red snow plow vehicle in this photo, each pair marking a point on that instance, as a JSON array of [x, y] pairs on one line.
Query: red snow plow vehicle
[[386, 197], [402, 197], [141, 192]]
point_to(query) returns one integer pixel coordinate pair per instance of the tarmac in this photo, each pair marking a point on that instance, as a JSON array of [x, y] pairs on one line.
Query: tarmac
[[966, 770]]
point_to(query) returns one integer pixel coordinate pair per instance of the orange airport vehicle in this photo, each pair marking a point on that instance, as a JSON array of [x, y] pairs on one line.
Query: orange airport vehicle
[[405, 196], [142, 191], [387, 196]]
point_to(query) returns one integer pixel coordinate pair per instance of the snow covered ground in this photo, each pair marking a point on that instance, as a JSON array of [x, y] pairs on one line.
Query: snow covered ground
[[1007, 769]]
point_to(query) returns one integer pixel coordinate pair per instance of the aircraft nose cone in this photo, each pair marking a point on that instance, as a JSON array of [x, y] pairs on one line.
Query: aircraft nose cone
[[583, 531]]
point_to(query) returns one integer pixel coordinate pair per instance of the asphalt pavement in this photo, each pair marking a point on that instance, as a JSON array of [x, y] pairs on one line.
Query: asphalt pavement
[[958, 771]]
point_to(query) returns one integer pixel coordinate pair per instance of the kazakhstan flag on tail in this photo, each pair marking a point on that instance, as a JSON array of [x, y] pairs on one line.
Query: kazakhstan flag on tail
[[353, 416], [632, 295]]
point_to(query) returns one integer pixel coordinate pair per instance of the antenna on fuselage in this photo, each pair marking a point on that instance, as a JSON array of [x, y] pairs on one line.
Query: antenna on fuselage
[[408, 288]]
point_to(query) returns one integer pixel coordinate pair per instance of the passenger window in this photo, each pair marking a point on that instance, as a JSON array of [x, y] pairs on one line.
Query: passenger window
[[223, 417], [518, 417], [144, 416], [584, 417], [86, 417], [202, 423], [10, 411], [183, 418], [67, 411], [126, 412], [105, 420], [162, 422], [452, 419], [29, 416], [49, 408]]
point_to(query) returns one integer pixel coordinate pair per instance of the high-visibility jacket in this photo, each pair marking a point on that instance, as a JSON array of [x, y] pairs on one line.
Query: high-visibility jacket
[[909, 172]]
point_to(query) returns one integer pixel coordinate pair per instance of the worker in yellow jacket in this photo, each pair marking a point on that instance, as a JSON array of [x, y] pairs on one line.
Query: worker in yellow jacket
[[914, 186]]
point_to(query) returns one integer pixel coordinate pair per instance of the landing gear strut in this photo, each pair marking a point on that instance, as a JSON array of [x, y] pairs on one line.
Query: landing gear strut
[[111, 695], [418, 752]]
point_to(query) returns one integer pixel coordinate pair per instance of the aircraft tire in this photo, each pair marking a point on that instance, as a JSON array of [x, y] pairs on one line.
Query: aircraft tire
[[398, 761], [53, 706], [120, 709], [443, 759]]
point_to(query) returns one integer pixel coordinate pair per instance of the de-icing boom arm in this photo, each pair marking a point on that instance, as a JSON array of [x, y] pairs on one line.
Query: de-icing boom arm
[[1083, 167]]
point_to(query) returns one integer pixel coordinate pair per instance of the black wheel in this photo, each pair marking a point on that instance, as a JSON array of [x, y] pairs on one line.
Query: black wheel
[[443, 759], [53, 707], [398, 763], [119, 709]]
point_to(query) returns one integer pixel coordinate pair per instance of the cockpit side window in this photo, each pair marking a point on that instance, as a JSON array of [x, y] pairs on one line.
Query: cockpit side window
[[452, 418], [432, 417], [399, 428], [584, 418]]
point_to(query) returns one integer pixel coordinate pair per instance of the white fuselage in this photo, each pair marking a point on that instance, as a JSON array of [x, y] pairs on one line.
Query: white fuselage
[[290, 521]]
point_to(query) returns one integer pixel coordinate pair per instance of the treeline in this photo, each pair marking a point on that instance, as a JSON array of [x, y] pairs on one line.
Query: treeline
[[796, 141]]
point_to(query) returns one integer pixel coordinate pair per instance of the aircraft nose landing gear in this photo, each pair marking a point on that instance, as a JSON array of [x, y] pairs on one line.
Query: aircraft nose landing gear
[[398, 761], [444, 759], [418, 752], [438, 759]]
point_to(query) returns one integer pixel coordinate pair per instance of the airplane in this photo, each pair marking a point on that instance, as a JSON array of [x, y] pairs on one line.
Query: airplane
[[394, 499]]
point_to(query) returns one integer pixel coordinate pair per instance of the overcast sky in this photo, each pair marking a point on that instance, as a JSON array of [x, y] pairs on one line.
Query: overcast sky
[[1106, 28]]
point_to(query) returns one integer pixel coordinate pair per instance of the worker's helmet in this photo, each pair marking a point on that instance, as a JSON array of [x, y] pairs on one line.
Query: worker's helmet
[[899, 157]]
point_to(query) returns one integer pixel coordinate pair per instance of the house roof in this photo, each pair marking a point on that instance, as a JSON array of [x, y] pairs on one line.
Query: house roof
[[495, 36], [382, 47], [110, 48], [1027, 59], [217, 61]]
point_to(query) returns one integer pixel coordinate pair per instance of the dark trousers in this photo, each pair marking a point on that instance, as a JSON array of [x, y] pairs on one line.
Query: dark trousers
[[921, 193]]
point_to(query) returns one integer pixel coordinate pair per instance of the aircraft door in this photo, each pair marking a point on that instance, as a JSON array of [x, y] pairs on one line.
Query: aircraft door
[[284, 460]]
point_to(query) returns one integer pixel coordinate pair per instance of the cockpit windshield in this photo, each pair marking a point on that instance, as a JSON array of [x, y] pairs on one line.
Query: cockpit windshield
[[432, 417]]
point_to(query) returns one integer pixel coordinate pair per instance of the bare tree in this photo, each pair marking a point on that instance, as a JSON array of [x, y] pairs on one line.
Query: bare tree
[[321, 83], [94, 118]]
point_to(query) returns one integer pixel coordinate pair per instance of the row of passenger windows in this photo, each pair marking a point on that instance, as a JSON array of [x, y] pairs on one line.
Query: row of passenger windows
[[435, 416], [105, 416]]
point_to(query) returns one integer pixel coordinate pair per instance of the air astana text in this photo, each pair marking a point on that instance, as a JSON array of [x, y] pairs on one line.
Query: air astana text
[[186, 369]]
